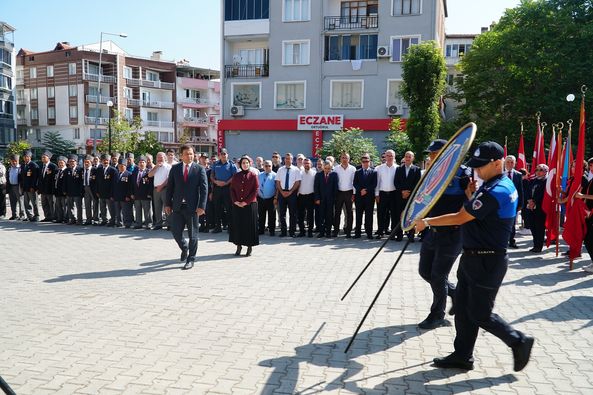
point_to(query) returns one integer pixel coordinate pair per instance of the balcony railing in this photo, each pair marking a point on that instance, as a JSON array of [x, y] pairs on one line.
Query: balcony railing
[[21, 101], [95, 77], [247, 71], [157, 84], [21, 121], [202, 139], [197, 100], [134, 102], [351, 22], [203, 122], [102, 99], [99, 121], [158, 124], [132, 81], [157, 104]]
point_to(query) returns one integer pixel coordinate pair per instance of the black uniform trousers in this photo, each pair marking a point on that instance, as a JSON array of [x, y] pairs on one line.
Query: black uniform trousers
[[289, 203], [440, 248], [47, 204], [589, 236], [538, 227], [326, 216], [343, 199], [479, 278], [400, 206], [306, 206], [221, 196], [386, 211], [364, 206], [265, 207], [178, 221], [16, 200], [2, 200]]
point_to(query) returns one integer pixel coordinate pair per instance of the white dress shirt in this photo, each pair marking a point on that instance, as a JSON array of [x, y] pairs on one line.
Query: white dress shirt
[[385, 178], [307, 181], [345, 177], [294, 175], [161, 174]]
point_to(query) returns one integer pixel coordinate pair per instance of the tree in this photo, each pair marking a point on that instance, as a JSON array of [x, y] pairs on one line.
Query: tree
[[122, 138], [397, 139], [528, 62], [57, 145], [17, 148], [350, 141], [149, 144], [424, 72]]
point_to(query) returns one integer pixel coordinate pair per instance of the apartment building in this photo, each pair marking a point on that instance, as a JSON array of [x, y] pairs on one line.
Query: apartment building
[[198, 106], [67, 91], [7, 105], [294, 71], [456, 46]]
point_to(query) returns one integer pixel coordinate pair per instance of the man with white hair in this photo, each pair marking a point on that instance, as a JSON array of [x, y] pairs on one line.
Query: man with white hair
[[385, 194], [517, 179]]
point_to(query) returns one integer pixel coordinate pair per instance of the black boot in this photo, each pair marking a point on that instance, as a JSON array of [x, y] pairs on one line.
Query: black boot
[[238, 252], [248, 251]]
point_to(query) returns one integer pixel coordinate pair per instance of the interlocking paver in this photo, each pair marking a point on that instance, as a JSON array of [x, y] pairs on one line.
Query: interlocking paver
[[97, 311]]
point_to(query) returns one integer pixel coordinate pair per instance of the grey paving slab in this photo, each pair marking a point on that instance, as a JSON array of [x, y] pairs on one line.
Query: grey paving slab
[[93, 310]]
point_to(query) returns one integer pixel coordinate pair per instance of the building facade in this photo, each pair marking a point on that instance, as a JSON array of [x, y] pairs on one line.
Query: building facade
[[293, 71], [7, 103], [456, 46], [64, 90]]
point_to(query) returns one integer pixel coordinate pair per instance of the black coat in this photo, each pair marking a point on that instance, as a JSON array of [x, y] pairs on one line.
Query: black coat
[[369, 182], [409, 182], [536, 191], [46, 184], [194, 191], [122, 186], [60, 182], [104, 181], [142, 190], [30, 176], [92, 179], [74, 186], [326, 190], [517, 179]]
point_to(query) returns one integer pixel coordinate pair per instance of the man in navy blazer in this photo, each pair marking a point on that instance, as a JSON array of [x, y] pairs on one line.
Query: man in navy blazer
[[517, 178], [365, 182], [325, 191], [187, 193], [407, 176]]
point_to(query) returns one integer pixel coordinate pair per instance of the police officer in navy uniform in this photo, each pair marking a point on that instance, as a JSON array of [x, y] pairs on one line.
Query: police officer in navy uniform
[[29, 186], [74, 190], [122, 195], [441, 245], [486, 221], [104, 176]]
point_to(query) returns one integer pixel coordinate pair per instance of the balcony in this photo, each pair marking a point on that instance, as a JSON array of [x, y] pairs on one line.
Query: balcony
[[102, 99], [247, 71], [206, 140], [199, 101], [157, 84], [95, 77], [21, 121], [351, 22], [132, 81], [191, 122], [158, 124], [158, 104], [98, 121], [20, 81], [134, 102], [21, 101]]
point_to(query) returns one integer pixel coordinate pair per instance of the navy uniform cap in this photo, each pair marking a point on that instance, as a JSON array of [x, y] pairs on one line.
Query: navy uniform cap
[[73, 157], [88, 157], [486, 152], [47, 153], [105, 157], [27, 153], [121, 161], [62, 158], [142, 157], [436, 145], [14, 157], [130, 156]]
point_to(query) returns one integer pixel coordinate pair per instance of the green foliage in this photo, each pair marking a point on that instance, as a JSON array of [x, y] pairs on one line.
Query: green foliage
[[424, 72], [397, 139], [57, 145], [127, 137], [529, 62], [17, 147], [352, 142]]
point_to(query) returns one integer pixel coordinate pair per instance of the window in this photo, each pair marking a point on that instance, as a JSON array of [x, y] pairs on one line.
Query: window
[[93, 69], [94, 112], [295, 52], [240, 10], [152, 76], [5, 82], [20, 113], [450, 79], [33, 93], [20, 94], [152, 116], [38, 134], [5, 56], [246, 95], [351, 47], [76, 133], [406, 7], [51, 92], [346, 94], [51, 112], [71, 68], [72, 90], [192, 94], [250, 56], [127, 72], [34, 113], [128, 93], [289, 95], [394, 98], [33, 72], [68, 54], [20, 74], [356, 12], [50, 71], [73, 112], [296, 10], [95, 133], [128, 114], [456, 50], [401, 45]]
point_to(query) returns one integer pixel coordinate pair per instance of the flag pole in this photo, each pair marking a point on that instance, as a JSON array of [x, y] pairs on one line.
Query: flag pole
[[557, 204]]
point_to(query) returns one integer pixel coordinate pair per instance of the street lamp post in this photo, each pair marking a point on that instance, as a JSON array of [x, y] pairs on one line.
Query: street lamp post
[[100, 76], [109, 105]]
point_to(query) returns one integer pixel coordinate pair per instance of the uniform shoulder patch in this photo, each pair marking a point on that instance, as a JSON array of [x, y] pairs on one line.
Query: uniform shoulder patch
[[477, 204]]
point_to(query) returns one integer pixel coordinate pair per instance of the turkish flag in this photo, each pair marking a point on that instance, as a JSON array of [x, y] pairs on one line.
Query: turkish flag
[[550, 197], [521, 162], [538, 151]]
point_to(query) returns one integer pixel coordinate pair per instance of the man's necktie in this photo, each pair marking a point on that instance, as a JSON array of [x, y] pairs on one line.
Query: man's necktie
[[139, 178], [86, 177], [185, 173], [286, 179], [44, 170]]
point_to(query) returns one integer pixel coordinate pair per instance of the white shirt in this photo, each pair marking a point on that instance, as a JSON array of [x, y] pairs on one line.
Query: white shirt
[[294, 175], [161, 174], [385, 178], [345, 177], [307, 182], [254, 170]]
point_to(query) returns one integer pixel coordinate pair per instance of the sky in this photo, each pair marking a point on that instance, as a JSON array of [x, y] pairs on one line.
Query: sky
[[182, 29]]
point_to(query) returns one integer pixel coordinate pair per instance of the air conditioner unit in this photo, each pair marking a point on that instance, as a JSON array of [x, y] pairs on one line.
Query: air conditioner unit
[[383, 51], [237, 111], [393, 110]]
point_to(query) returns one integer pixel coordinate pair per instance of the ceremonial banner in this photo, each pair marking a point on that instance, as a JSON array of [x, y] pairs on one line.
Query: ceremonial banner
[[438, 176], [521, 162], [549, 202]]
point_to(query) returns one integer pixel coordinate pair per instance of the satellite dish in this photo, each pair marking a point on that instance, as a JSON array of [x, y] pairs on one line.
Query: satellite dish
[[570, 98]]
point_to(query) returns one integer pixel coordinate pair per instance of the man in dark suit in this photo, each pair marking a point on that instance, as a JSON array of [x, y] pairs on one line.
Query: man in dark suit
[[187, 193], [89, 179], [365, 182], [105, 174], [46, 186], [30, 181], [74, 190], [142, 187], [60, 214], [517, 178], [122, 195], [325, 190], [407, 177]]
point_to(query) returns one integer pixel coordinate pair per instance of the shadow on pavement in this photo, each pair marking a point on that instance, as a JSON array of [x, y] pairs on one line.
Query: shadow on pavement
[[547, 279], [575, 308]]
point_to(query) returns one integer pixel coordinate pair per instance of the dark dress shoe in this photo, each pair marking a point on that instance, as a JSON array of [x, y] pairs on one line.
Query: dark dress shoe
[[522, 352], [217, 230], [535, 250], [33, 219], [370, 237], [379, 236], [157, 227], [248, 253], [238, 252], [433, 323], [357, 236], [335, 234], [321, 235], [302, 234], [310, 234], [183, 256], [188, 265], [452, 309], [137, 227], [283, 234], [11, 218], [513, 245], [293, 235], [348, 236], [452, 361], [88, 222]]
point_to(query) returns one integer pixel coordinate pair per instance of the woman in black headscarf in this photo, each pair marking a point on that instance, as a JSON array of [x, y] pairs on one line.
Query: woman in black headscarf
[[243, 229]]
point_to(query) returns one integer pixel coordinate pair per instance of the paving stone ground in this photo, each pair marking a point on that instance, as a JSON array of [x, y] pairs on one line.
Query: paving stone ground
[[94, 310]]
